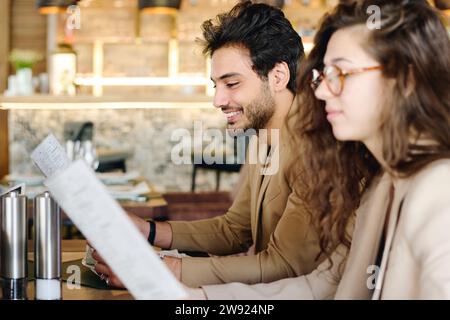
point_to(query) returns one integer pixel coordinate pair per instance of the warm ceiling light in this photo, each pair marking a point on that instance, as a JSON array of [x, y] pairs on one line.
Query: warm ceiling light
[[159, 6], [53, 6]]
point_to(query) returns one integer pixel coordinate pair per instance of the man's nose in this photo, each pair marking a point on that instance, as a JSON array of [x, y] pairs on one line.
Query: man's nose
[[221, 98]]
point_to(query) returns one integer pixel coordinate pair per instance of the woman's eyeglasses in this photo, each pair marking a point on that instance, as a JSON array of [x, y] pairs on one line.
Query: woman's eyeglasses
[[334, 77]]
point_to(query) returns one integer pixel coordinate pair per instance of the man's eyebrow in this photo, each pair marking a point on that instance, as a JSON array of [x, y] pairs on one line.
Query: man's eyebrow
[[226, 75]]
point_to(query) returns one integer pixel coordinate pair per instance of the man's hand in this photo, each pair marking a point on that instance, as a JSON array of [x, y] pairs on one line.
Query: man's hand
[[163, 240], [174, 265], [163, 237], [102, 268], [141, 224]]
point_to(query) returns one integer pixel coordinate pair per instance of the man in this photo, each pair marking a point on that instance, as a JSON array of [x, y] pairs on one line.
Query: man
[[254, 53]]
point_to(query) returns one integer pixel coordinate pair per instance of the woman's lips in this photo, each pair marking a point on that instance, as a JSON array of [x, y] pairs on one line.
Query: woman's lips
[[333, 114]]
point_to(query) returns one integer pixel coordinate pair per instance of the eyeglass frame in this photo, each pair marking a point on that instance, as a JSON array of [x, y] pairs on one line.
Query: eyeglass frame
[[342, 76]]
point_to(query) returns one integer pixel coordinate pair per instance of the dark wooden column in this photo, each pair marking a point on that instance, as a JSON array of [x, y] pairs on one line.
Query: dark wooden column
[[5, 27]]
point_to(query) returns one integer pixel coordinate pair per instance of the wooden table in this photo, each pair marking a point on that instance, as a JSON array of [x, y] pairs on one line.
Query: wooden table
[[156, 207], [73, 250]]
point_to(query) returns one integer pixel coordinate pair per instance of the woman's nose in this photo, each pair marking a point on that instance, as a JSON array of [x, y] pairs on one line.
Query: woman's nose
[[322, 92]]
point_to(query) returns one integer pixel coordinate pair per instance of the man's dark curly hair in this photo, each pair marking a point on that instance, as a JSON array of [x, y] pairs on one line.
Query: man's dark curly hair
[[263, 30]]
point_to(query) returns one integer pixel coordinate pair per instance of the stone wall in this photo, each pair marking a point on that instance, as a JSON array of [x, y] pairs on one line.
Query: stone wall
[[146, 133]]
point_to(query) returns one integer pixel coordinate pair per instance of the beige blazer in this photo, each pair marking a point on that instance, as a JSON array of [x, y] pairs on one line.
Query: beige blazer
[[416, 258], [267, 214]]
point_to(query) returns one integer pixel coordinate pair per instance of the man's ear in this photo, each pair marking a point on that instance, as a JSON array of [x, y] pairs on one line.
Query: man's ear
[[279, 76]]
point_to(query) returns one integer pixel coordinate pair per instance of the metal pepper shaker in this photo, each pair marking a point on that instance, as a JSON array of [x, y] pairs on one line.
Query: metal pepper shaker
[[47, 251], [13, 242]]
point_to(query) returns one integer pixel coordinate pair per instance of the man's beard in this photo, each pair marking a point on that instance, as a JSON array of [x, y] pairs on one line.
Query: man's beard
[[258, 112]]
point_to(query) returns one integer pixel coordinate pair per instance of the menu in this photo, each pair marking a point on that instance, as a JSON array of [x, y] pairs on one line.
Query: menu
[[104, 223]]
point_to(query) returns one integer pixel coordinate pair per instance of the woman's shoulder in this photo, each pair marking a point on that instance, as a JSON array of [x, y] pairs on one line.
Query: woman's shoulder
[[427, 198], [425, 214], [432, 178]]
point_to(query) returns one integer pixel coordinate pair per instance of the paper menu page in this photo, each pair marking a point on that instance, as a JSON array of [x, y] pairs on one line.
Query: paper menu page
[[50, 156], [88, 204]]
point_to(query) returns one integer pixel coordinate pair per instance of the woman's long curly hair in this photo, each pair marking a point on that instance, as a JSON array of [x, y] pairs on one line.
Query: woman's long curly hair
[[413, 48]]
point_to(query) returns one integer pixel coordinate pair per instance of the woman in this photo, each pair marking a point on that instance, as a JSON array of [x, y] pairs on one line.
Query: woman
[[376, 129]]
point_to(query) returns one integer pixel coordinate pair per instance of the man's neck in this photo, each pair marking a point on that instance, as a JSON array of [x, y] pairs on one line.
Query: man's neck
[[283, 104]]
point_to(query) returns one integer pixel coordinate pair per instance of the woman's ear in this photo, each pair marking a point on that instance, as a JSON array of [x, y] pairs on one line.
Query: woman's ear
[[410, 82], [279, 76]]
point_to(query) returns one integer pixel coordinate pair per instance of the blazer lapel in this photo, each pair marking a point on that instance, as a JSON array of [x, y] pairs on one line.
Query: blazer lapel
[[261, 195], [401, 187], [354, 283], [256, 187]]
